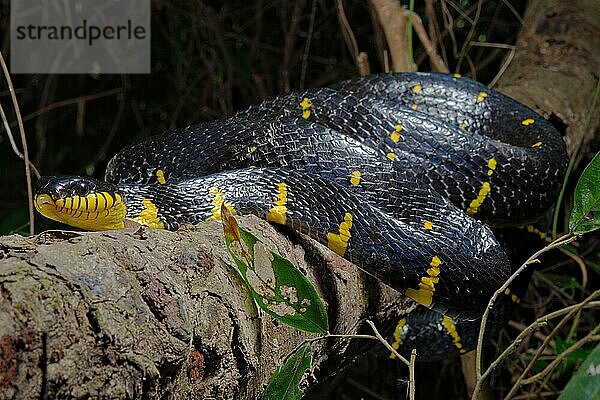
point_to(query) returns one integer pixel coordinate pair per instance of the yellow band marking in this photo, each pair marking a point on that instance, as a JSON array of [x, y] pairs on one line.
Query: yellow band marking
[[217, 201], [424, 294], [428, 225], [481, 196], [532, 229], [395, 136], [88, 212], [160, 176], [398, 336], [391, 156], [481, 96], [97, 201], [457, 75], [338, 242], [417, 88], [414, 106], [528, 121], [536, 144], [305, 104], [484, 191], [149, 216], [252, 149], [515, 298], [492, 166], [355, 178], [451, 328], [278, 212], [463, 125]]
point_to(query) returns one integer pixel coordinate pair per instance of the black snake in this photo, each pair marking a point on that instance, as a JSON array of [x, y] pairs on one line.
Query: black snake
[[394, 172]]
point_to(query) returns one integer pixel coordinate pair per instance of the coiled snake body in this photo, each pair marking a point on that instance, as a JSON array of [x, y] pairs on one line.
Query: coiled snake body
[[393, 172]]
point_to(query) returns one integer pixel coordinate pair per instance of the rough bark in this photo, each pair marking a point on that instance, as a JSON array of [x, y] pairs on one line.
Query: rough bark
[[555, 68], [158, 314]]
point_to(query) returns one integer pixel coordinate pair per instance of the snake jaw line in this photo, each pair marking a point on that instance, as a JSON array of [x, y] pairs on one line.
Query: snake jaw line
[[80, 202], [79, 217]]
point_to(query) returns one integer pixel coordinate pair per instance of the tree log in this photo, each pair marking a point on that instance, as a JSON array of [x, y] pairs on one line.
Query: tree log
[[158, 314]]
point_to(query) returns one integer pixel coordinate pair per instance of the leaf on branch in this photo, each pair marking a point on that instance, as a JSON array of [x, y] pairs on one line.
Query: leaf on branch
[[585, 216], [585, 384], [274, 283], [283, 384], [574, 358]]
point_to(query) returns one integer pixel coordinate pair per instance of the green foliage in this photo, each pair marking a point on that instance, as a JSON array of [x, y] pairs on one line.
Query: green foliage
[[574, 358], [283, 385], [585, 384], [274, 283], [585, 216]]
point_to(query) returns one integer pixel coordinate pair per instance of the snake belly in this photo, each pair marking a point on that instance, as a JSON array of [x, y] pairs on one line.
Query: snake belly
[[394, 172]]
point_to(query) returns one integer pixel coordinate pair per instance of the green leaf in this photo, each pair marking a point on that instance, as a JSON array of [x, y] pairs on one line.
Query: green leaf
[[274, 283], [585, 216], [585, 384], [283, 385], [564, 282], [576, 357]]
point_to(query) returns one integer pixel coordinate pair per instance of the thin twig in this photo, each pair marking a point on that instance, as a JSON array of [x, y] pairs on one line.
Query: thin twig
[[505, 65], [590, 337], [460, 11], [411, 375], [12, 141], [311, 26], [512, 10], [581, 264], [436, 61], [546, 341], [289, 45], [521, 327], [449, 25], [542, 321], [557, 243], [24, 144], [349, 37], [410, 50], [467, 42], [494, 45], [67, 102], [386, 344]]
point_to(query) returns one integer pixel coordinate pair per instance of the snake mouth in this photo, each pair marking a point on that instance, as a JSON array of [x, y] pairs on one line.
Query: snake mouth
[[81, 202]]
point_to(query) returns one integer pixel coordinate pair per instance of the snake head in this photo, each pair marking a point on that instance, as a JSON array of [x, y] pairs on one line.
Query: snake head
[[82, 202]]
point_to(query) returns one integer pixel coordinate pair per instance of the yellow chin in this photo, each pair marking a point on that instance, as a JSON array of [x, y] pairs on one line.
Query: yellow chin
[[94, 212]]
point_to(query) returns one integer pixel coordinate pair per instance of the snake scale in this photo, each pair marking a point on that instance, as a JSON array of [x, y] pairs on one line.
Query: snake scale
[[402, 174]]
